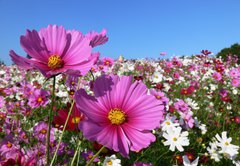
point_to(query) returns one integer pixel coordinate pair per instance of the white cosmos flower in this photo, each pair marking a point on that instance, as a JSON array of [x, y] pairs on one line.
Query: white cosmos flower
[[169, 123], [203, 128], [213, 87], [234, 91], [112, 161], [213, 151], [186, 161], [176, 139], [157, 77], [225, 144], [192, 103]]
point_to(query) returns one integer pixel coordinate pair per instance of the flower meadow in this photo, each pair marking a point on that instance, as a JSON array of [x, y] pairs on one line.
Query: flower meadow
[[68, 105]]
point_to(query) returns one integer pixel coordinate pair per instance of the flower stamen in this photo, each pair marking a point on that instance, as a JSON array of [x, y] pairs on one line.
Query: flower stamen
[[76, 119], [55, 61], [117, 116]]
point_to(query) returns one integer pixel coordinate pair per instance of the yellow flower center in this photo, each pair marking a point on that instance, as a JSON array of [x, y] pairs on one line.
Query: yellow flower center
[[71, 92], [52, 144], [190, 157], [107, 63], [43, 131], [178, 157], [174, 139], [9, 145], [109, 162], [76, 119], [116, 116], [226, 143], [39, 99], [90, 156], [168, 123], [40, 153], [55, 61], [158, 97]]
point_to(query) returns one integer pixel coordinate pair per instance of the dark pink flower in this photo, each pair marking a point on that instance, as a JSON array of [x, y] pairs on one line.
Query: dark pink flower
[[107, 62], [190, 89], [184, 91], [54, 50], [121, 115], [237, 119], [206, 52]]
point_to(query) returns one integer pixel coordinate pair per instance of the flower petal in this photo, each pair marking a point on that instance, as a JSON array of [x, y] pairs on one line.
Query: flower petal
[[34, 46], [90, 107], [138, 139], [55, 38]]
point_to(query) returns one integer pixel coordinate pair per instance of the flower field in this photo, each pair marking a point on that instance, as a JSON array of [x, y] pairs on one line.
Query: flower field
[[66, 105]]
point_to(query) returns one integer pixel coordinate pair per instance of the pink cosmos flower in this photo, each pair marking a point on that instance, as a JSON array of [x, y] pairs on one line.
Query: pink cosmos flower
[[217, 76], [234, 73], [181, 106], [40, 131], [235, 82], [2, 101], [107, 62], [121, 115], [163, 53], [176, 75], [160, 96], [187, 120], [142, 164], [97, 38], [88, 156], [38, 98], [54, 50]]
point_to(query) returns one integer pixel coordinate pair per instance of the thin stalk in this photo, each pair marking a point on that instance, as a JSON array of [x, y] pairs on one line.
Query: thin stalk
[[64, 128], [76, 152], [50, 121], [92, 76], [95, 156], [79, 151]]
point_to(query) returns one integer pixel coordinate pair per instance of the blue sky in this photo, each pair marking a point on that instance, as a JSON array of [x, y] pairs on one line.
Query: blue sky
[[136, 28]]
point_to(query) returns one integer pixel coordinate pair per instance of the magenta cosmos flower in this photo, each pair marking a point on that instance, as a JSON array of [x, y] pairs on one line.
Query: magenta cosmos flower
[[54, 50], [121, 115]]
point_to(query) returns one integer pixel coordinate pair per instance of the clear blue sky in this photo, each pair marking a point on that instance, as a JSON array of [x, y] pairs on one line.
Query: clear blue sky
[[136, 28]]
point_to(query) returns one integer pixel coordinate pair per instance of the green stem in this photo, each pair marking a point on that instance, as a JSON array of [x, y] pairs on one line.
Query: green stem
[[79, 151], [141, 155], [50, 121], [76, 152], [95, 156], [92, 76], [64, 128]]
